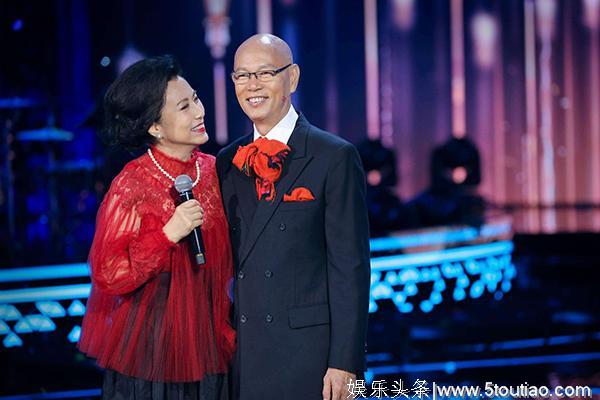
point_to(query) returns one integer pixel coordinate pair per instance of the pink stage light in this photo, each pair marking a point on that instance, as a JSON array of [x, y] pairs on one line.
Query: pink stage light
[[485, 34], [404, 14]]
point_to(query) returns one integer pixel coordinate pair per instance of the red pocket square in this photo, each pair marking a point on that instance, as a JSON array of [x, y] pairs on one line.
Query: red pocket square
[[299, 194]]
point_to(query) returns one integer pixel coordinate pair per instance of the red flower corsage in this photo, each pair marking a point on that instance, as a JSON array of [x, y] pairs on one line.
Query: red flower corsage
[[263, 159]]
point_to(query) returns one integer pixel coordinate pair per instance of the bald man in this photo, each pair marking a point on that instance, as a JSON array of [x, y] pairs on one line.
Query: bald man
[[301, 251]]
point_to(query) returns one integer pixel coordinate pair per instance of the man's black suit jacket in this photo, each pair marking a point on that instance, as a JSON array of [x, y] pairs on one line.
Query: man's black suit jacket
[[302, 269]]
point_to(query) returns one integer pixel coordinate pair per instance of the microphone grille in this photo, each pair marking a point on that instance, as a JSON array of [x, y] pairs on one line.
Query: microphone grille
[[183, 183]]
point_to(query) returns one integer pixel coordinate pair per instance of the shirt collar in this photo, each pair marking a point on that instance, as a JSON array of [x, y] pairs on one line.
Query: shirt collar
[[284, 128]]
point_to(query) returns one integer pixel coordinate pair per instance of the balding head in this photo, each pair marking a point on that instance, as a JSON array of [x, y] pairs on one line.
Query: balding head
[[268, 99], [265, 42]]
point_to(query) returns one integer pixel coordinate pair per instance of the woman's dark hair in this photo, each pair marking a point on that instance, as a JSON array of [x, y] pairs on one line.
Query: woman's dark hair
[[133, 102]]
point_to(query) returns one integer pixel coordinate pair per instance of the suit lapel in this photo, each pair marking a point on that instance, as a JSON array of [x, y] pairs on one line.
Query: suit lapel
[[245, 189], [292, 168]]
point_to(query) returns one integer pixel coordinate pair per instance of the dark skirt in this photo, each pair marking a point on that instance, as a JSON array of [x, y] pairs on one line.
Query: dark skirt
[[118, 386]]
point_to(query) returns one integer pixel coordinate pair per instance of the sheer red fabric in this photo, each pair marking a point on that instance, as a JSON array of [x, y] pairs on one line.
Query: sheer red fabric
[[151, 313]]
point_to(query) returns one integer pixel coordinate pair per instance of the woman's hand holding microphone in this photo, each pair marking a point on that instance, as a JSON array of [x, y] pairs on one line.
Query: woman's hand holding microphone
[[187, 216]]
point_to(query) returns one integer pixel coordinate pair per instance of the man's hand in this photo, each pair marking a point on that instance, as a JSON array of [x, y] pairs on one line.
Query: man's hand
[[335, 384]]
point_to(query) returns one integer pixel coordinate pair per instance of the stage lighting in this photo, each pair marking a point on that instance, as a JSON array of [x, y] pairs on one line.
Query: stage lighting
[[455, 163], [12, 340]]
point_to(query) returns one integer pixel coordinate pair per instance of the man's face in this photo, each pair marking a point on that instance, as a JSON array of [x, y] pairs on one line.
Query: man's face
[[265, 103]]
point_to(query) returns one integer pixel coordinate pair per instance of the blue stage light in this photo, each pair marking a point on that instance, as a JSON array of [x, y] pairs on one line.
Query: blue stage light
[[573, 318], [510, 272], [566, 339], [439, 285], [105, 61], [411, 289], [30, 295], [8, 312], [450, 367], [12, 340], [484, 363], [381, 290], [68, 394], [436, 297], [472, 267], [424, 239], [391, 278], [4, 328], [399, 299], [492, 286], [452, 270], [462, 281], [40, 323], [476, 290], [441, 256], [406, 308], [408, 275], [74, 334], [17, 25], [22, 326], [459, 294], [400, 273], [434, 274], [430, 274], [426, 306], [375, 277], [76, 309], [379, 357], [44, 272], [517, 344], [373, 307], [369, 377], [491, 277], [52, 309], [495, 229]]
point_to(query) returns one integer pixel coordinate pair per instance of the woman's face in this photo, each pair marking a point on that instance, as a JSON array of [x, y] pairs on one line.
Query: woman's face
[[181, 124]]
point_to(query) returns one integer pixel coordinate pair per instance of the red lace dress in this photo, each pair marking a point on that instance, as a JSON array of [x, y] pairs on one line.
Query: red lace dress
[[151, 313]]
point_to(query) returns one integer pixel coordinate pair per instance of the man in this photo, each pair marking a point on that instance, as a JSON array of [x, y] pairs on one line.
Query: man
[[301, 251]]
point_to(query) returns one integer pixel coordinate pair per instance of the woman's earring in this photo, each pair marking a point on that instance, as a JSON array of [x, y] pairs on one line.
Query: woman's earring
[[159, 136]]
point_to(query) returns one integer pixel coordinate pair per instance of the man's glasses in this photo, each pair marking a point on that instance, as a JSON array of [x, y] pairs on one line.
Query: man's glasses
[[267, 75]]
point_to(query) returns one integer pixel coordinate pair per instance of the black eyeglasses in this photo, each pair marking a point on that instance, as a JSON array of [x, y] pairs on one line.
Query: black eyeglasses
[[267, 75]]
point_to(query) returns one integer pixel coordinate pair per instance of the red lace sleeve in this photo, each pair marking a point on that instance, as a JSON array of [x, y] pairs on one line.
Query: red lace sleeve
[[128, 249]]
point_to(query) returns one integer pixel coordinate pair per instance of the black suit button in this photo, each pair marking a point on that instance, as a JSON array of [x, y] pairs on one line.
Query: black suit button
[[233, 228], [282, 227], [268, 273], [269, 318], [241, 275], [243, 319]]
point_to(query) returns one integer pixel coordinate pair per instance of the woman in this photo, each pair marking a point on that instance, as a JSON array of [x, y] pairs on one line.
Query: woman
[[155, 321]]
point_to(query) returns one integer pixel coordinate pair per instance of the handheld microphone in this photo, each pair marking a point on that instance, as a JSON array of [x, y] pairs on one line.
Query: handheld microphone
[[183, 185]]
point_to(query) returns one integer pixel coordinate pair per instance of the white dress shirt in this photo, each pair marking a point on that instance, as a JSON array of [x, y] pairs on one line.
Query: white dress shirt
[[284, 128]]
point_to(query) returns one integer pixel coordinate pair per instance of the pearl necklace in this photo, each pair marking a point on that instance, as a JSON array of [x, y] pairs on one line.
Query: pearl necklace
[[165, 173]]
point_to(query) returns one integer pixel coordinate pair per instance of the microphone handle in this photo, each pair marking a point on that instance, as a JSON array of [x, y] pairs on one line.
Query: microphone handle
[[195, 237]]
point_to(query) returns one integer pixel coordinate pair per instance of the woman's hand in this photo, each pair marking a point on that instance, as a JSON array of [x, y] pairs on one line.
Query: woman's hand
[[187, 216]]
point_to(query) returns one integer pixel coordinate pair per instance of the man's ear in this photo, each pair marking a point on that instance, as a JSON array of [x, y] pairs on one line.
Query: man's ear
[[294, 77]]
